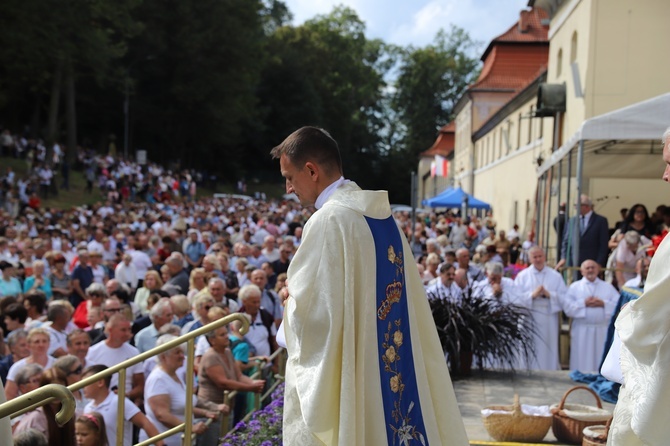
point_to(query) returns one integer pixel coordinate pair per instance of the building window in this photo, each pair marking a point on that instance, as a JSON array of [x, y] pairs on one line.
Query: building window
[[500, 143], [518, 133], [573, 48], [530, 124], [559, 63], [508, 143]]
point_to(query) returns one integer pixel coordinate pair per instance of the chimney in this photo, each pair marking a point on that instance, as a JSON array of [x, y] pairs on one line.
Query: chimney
[[524, 21]]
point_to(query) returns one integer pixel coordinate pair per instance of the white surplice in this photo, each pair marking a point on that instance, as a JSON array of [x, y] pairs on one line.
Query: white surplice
[[544, 311], [482, 289], [438, 290], [333, 392], [589, 324], [641, 414]]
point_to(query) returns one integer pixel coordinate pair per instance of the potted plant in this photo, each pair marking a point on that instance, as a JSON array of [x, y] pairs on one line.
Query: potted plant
[[498, 335]]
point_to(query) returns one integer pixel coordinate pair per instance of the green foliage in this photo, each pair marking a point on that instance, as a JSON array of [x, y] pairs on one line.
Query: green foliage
[[430, 82], [216, 85], [496, 333]]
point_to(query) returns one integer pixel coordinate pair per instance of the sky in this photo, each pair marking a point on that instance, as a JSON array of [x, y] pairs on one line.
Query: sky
[[415, 22]]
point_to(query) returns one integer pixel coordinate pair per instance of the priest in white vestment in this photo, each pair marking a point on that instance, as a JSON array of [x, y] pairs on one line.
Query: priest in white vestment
[[445, 287], [540, 289], [641, 414], [590, 302], [365, 365]]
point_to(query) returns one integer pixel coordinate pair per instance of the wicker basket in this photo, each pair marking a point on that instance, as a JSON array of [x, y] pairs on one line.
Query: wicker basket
[[596, 435], [515, 425], [570, 419]]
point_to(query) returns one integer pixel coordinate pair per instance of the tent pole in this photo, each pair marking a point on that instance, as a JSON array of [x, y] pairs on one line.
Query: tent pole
[[559, 237], [538, 210], [568, 232], [547, 222], [580, 185]]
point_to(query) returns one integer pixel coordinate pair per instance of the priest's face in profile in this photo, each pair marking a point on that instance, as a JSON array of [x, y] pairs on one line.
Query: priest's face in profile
[[300, 180]]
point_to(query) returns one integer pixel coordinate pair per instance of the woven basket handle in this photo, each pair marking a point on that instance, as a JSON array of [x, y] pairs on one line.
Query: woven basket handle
[[562, 403], [516, 407]]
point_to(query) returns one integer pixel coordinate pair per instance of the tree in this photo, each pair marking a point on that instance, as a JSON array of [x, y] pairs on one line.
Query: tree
[[326, 73], [190, 101], [431, 80]]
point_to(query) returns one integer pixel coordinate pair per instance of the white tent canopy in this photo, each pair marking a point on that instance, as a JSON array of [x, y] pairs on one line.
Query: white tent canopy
[[623, 143]]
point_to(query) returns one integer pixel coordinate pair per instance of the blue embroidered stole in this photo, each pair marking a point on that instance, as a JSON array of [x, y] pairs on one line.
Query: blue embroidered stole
[[400, 395]]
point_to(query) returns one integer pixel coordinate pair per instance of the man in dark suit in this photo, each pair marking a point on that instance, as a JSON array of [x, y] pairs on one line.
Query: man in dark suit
[[592, 231]]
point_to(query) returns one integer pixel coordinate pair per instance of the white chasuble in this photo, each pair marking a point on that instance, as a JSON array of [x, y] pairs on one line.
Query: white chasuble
[[641, 414], [365, 365]]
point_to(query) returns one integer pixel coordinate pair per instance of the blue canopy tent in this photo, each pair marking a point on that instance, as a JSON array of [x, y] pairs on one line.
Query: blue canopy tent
[[453, 198]]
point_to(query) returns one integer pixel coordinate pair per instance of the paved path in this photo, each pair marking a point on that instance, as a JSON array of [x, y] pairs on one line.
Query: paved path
[[491, 388]]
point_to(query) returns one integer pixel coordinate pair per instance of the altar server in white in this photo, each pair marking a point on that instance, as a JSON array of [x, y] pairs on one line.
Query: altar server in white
[[590, 302], [540, 289], [365, 365]]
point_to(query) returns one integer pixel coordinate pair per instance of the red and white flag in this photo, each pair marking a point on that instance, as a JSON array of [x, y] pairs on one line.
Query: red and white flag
[[439, 167]]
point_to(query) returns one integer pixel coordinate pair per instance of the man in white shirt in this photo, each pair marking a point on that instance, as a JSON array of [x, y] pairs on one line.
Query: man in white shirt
[[59, 317], [495, 286], [116, 349], [160, 314], [540, 289], [262, 331], [445, 286], [590, 302], [270, 250], [95, 245], [269, 299], [106, 404], [125, 272]]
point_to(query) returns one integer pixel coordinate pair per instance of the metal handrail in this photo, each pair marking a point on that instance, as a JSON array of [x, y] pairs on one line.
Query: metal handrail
[[51, 392], [189, 338]]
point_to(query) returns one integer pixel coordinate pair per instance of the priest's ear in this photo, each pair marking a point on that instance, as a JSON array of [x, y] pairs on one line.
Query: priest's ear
[[314, 171]]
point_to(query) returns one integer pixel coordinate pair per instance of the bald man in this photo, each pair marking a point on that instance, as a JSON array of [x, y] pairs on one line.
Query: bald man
[[590, 302], [540, 289]]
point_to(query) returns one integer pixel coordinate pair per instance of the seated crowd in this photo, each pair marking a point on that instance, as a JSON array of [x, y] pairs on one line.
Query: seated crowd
[[87, 288], [71, 314]]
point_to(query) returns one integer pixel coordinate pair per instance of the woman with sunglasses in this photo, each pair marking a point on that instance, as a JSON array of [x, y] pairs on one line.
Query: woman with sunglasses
[[72, 368]]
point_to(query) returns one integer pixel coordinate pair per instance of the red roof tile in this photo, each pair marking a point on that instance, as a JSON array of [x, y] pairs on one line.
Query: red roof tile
[[444, 144], [514, 58]]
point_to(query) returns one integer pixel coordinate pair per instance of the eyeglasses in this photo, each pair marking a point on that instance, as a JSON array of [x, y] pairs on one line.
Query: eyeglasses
[[113, 310], [216, 250], [76, 371]]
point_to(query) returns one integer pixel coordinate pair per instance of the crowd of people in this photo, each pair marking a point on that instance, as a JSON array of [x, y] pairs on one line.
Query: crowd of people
[[114, 178], [464, 261], [87, 288]]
